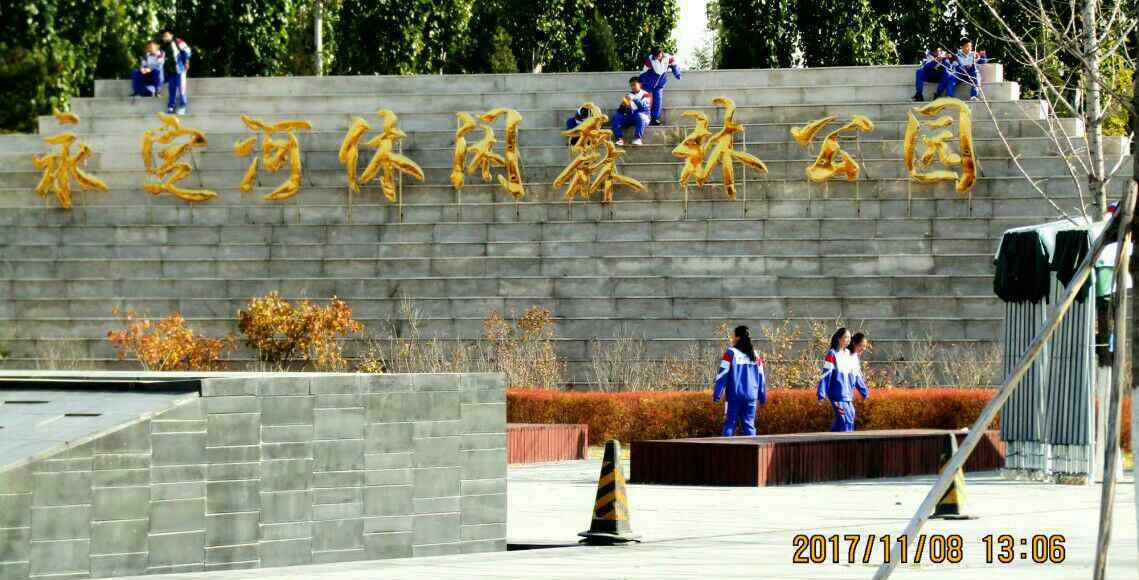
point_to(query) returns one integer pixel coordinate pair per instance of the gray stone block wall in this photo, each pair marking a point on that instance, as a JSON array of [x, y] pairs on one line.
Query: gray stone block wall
[[273, 470]]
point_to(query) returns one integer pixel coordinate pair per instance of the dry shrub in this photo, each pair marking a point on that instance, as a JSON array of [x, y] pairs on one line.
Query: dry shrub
[[167, 344], [794, 361], [286, 334], [665, 415], [59, 356], [971, 366], [408, 351], [623, 364], [522, 348]]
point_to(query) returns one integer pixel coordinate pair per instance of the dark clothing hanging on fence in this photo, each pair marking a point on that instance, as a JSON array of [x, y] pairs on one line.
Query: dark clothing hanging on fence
[[1071, 248], [1022, 268]]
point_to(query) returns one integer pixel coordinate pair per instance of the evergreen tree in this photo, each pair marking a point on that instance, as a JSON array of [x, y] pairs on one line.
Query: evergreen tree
[[600, 47], [501, 58]]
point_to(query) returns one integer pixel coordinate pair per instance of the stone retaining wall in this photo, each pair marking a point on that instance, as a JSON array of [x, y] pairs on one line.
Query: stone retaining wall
[[270, 470]]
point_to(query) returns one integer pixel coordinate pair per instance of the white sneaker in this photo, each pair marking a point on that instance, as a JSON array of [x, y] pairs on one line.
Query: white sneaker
[[638, 142], [972, 98], [620, 141], [182, 110]]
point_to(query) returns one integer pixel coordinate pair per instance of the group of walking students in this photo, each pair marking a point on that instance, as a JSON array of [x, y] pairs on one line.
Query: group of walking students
[[742, 384]]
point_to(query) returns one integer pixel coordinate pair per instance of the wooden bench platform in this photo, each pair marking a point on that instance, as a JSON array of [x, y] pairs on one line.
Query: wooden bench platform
[[802, 457]]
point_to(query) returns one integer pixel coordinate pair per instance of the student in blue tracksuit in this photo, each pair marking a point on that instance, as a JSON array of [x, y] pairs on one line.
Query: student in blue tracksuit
[[146, 80], [934, 68], [841, 377], [654, 76], [578, 117], [175, 68], [741, 382], [632, 112], [965, 69]]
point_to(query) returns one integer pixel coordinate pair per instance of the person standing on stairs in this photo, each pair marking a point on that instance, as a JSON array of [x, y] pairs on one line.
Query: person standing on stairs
[[632, 112], [740, 381], [841, 377], [654, 76], [176, 67]]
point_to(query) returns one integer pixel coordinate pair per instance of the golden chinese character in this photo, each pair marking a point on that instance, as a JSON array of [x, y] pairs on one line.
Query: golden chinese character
[[512, 182], [937, 146], [385, 161], [459, 158], [61, 167], [608, 176], [691, 149], [273, 154], [585, 139], [832, 160], [171, 169], [724, 155]]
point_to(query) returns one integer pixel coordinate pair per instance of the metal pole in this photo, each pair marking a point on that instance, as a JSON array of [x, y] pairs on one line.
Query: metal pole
[[1118, 367], [977, 431]]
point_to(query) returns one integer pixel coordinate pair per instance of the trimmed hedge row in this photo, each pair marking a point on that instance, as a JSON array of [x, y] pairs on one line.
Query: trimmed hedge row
[[672, 415]]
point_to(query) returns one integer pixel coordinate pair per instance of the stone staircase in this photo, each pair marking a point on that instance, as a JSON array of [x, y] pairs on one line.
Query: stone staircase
[[899, 260]]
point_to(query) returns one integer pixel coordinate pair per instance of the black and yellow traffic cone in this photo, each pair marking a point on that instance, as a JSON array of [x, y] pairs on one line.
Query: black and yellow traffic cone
[[610, 523], [951, 506]]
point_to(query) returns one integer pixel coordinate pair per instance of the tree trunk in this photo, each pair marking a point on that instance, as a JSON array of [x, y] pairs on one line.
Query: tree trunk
[[1093, 122], [1135, 307], [318, 36]]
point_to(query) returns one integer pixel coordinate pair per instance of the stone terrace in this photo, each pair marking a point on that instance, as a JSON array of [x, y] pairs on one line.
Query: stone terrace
[[648, 264]]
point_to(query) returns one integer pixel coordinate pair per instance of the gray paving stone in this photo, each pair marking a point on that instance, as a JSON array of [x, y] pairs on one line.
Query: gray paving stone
[[15, 510], [229, 529], [61, 522], [121, 503], [287, 410], [176, 549], [286, 552], [338, 534], [388, 545], [286, 506], [120, 537], [112, 565], [435, 528], [14, 544], [338, 455], [68, 488], [233, 428], [230, 554], [389, 437], [436, 481], [233, 496], [286, 531], [484, 509], [182, 515], [393, 500], [59, 557], [339, 423]]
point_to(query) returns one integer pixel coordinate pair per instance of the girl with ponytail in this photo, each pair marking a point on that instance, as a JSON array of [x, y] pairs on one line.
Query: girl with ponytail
[[741, 382]]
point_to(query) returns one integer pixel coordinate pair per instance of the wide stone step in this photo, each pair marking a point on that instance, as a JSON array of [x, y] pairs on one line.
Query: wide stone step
[[583, 329], [1020, 133], [136, 121], [546, 248], [528, 287], [319, 151], [395, 84], [322, 101], [221, 172], [741, 304], [802, 228], [96, 268]]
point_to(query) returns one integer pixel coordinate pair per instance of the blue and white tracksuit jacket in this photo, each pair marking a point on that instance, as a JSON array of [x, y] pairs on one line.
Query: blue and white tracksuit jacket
[[176, 83], [932, 70], [965, 70], [636, 115], [148, 84], [842, 375], [740, 380], [654, 76]]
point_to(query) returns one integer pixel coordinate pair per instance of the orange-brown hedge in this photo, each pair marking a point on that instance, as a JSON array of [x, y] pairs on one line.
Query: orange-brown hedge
[[671, 415]]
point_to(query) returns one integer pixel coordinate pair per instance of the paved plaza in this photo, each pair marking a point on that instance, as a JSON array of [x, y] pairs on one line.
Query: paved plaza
[[692, 532]]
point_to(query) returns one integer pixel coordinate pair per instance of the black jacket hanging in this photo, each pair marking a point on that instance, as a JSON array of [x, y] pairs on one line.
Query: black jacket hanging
[[1071, 249], [1022, 268]]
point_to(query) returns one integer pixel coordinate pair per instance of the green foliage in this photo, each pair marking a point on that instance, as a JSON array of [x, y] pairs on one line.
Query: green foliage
[[757, 33], [916, 25], [1118, 75], [600, 47], [390, 37], [501, 57], [25, 78], [842, 33], [246, 38], [639, 25]]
